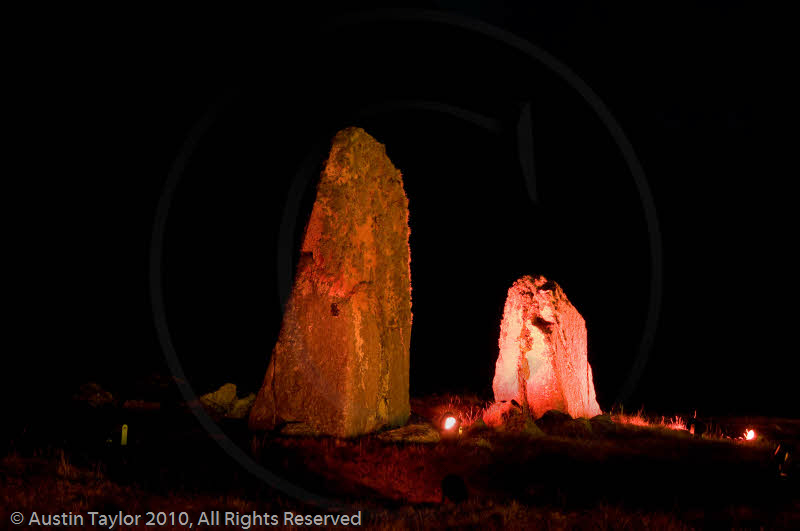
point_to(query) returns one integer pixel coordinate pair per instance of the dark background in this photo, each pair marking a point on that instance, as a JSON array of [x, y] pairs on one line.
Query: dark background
[[106, 110]]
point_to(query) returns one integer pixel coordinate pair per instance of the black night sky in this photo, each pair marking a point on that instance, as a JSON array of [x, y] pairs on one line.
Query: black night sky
[[108, 111]]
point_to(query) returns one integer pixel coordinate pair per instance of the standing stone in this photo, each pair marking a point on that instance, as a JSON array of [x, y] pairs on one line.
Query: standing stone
[[341, 363], [543, 361]]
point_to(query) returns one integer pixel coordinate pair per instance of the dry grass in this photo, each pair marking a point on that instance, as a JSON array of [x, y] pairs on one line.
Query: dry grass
[[31, 486], [469, 409], [56, 495], [681, 425], [641, 419], [57, 485], [407, 472], [646, 473], [513, 515], [466, 408], [63, 467]]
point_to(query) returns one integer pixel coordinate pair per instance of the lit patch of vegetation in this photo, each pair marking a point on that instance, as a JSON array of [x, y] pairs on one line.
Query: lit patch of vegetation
[[513, 480], [467, 409], [640, 419]]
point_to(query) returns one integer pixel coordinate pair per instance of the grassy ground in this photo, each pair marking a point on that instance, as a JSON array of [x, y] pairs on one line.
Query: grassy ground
[[645, 474]]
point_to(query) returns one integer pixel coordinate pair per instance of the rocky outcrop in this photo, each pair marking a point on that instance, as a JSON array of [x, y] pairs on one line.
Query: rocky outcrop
[[220, 400], [341, 363], [413, 433], [224, 403], [543, 362], [558, 424], [603, 425], [509, 417], [241, 406]]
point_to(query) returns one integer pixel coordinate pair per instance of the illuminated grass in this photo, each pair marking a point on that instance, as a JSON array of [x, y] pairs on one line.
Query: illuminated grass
[[514, 480], [640, 419], [467, 409]]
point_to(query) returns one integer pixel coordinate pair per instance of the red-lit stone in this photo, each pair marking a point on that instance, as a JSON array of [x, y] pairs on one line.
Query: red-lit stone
[[543, 361], [341, 363]]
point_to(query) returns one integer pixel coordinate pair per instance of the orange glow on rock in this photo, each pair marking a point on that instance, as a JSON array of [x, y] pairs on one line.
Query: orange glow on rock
[[750, 435], [340, 366], [449, 422], [543, 357]]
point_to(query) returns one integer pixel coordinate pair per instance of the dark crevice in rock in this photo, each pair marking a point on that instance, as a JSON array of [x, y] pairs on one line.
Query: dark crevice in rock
[[543, 356]]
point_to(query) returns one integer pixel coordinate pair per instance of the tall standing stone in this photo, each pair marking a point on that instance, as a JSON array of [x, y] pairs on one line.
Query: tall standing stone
[[543, 360], [341, 363]]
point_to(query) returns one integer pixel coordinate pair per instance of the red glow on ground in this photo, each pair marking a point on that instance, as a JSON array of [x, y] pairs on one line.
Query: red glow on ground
[[639, 419], [449, 422], [750, 435]]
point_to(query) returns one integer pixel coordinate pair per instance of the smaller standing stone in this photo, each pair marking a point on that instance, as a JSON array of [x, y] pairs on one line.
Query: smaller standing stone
[[543, 361]]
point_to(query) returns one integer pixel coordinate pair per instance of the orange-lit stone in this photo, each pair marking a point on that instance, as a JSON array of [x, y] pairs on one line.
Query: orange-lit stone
[[543, 361], [341, 363]]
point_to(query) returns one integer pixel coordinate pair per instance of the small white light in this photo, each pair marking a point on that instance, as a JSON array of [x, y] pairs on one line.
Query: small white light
[[449, 422]]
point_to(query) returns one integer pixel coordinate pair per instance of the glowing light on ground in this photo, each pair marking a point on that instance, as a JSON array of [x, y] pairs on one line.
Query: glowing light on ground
[[750, 435], [449, 422]]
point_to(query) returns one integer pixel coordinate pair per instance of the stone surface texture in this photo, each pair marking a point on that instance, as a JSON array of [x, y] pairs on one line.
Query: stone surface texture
[[412, 433], [341, 362], [220, 400], [543, 361]]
